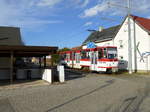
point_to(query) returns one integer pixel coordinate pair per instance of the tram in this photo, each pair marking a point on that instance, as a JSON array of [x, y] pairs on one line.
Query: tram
[[100, 59]]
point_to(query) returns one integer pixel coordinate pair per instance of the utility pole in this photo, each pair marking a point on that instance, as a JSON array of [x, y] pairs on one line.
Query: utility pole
[[129, 34], [129, 40]]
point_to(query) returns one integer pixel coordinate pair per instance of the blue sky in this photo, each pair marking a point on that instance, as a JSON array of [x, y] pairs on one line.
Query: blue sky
[[64, 23]]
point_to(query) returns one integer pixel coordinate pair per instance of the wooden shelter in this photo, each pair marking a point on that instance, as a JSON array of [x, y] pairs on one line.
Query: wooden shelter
[[13, 51]]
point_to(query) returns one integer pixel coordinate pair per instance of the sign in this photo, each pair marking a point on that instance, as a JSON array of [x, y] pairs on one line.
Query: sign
[[91, 45]]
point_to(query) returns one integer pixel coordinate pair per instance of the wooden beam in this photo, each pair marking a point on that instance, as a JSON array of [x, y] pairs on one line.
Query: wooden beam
[[11, 66], [44, 61], [40, 62], [52, 60]]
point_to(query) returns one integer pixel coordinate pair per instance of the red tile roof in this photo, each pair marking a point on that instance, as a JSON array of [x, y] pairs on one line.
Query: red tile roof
[[143, 22]]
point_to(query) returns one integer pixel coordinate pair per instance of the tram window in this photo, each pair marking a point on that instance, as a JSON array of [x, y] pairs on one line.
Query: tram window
[[62, 57], [83, 55], [77, 57], [68, 57], [112, 53], [111, 56], [100, 54], [105, 53], [73, 56]]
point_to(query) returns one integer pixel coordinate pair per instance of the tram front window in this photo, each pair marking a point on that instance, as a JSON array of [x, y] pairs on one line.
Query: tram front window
[[112, 53]]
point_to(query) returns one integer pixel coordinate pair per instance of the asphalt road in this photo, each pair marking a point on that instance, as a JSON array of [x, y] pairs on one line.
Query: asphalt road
[[86, 93]]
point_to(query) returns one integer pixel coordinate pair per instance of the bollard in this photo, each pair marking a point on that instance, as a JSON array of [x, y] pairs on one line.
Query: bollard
[[60, 69], [47, 75]]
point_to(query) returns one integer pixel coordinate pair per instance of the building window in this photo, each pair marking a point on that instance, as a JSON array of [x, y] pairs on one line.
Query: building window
[[121, 57], [120, 44]]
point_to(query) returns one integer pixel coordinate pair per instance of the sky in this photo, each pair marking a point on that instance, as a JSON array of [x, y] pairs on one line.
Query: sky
[[64, 23]]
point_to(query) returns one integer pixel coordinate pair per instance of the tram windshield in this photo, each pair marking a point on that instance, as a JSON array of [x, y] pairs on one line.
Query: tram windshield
[[63, 56], [112, 53]]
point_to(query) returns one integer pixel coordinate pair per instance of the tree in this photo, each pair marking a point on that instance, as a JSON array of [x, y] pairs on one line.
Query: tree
[[56, 57], [64, 49]]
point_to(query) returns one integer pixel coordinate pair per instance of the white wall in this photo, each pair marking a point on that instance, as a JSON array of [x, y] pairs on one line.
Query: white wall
[[142, 38], [106, 43], [122, 39]]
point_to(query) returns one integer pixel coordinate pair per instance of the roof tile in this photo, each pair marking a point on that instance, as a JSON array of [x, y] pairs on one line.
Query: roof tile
[[143, 22]]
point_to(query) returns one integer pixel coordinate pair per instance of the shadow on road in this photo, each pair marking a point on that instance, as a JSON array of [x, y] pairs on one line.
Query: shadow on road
[[108, 83], [71, 74]]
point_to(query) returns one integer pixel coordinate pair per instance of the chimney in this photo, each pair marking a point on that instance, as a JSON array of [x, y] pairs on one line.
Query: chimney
[[101, 28]]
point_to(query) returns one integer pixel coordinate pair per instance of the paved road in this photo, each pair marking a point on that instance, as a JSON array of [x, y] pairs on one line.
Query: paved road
[[93, 93]]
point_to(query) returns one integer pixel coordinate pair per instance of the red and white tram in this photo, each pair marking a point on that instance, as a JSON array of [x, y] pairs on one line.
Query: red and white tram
[[96, 59]]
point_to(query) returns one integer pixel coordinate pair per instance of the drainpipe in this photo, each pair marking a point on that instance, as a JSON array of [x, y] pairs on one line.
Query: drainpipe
[[135, 49]]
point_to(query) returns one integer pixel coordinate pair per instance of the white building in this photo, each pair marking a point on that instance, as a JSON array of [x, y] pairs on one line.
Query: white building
[[118, 36]]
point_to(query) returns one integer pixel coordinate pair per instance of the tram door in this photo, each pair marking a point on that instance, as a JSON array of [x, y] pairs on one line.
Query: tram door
[[77, 60], [94, 60]]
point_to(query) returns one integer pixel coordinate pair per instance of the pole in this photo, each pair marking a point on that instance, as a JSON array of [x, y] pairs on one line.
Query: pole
[[40, 62], [129, 41], [44, 61], [11, 66], [135, 50]]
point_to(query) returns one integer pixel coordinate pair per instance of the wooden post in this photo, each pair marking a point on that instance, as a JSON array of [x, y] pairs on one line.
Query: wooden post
[[44, 61], [40, 61], [11, 66]]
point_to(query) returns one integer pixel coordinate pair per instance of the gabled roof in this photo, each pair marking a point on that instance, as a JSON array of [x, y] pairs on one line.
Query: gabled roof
[[104, 35], [142, 22]]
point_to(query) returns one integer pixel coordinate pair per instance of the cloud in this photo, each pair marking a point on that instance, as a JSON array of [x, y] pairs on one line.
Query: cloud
[[94, 10], [78, 3], [141, 6], [49, 3], [85, 3], [34, 23], [102, 8], [88, 23], [26, 13]]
